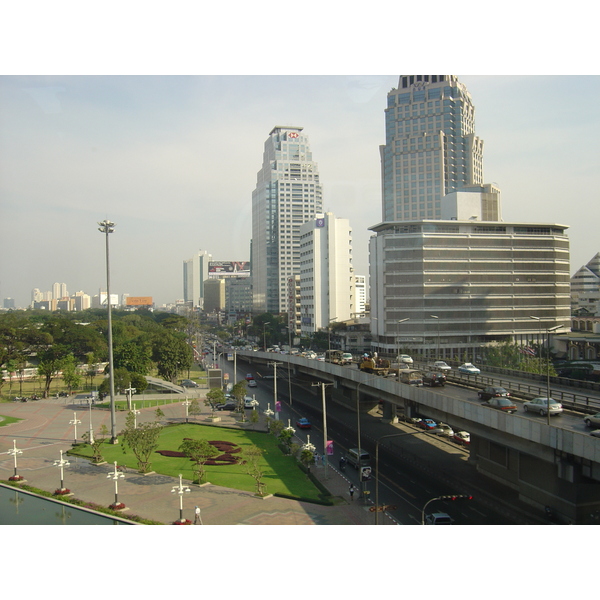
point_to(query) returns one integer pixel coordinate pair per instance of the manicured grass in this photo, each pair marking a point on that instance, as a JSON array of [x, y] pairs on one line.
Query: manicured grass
[[282, 473], [8, 420]]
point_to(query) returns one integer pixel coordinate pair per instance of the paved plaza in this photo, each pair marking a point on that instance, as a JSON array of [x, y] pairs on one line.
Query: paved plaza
[[45, 430]]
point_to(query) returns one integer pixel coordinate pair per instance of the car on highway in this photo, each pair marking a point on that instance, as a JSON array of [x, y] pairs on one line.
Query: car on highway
[[427, 424], [252, 383], [189, 383], [595, 433], [303, 423], [469, 369], [440, 365], [444, 430], [540, 405], [462, 437], [433, 379], [405, 358], [249, 377], [592, 420], [502, 404], [439, 518], [492, 392], [229, 405]]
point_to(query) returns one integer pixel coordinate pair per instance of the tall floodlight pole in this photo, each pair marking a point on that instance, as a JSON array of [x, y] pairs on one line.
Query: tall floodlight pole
[[274, 365], [107, 227], [438, 357]]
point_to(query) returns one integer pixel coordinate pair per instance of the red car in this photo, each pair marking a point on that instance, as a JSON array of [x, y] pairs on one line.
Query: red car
[[303, 423], [502, 404], [249, 376]]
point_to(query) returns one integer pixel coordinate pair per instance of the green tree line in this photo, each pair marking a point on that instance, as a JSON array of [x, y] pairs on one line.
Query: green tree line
[[143, 342]]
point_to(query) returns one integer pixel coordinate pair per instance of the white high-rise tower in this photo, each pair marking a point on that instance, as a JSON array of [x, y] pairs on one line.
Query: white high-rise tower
[[287, 194]]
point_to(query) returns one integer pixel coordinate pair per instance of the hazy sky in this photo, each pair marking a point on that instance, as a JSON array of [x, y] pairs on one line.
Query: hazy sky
[[172, 160]]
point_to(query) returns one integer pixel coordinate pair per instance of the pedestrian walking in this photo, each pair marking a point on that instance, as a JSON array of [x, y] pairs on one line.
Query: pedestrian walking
[[317, 458], [197, 518], [351, 490], [342, 464]]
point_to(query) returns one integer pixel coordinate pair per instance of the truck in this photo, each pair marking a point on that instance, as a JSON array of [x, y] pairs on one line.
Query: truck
[[376, 366], [337, 357], [411, 376]]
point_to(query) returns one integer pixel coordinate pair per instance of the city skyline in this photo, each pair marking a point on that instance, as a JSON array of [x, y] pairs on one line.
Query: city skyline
[[172, 161]]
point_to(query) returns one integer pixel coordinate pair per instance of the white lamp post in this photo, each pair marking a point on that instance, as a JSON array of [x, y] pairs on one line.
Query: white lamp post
[[91, 428], [135, 412], [15, 451], [74, 421], [62, 463], [186, 403], [116, 475], [181, 490]]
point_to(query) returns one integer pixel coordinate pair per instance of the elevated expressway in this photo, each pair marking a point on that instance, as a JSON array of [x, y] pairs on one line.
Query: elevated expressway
[[554, 465]]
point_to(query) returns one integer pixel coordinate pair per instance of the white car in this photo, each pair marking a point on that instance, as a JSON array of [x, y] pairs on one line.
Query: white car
[[444, 430], [251, 383], [250, 402], [540, 405], [469, 369], [440, 365], [405, 358]]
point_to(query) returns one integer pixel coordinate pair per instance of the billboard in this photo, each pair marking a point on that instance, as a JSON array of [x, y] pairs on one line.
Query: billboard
[[229, 267], [138, 301]]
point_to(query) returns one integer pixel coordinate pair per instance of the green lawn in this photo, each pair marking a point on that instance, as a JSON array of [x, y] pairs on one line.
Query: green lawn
[[7, 420], [282, 473]]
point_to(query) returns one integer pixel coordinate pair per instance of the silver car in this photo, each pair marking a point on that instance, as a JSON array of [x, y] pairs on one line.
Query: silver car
[[592, 420], [540, 405]]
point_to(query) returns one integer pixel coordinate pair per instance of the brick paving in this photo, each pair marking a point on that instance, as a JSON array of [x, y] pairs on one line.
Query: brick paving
[[45, 431]]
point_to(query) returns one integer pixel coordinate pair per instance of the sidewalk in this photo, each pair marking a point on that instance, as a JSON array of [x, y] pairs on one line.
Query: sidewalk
[[46, 430]]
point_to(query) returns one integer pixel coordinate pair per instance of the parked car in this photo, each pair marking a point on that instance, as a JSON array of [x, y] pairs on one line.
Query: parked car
[[592, 420], [252, 383], [469, 369], [433, 379], [492, 392], [229, 405], [303, 423], [189, 383], [462, 437], [427, 424], [405, 358], [540, 405], [440, 365], [444, 430], [439, 518], [503, 404]]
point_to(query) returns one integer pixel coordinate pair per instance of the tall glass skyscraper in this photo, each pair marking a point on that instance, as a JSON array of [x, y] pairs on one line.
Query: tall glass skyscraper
[[431, 148], [287, 194]]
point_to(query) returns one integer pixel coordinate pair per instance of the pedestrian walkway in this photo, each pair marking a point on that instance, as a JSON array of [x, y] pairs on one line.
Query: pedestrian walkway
[[47, 428]]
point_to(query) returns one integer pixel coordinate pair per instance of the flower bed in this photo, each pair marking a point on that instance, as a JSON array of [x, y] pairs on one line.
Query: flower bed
[[227, 458]]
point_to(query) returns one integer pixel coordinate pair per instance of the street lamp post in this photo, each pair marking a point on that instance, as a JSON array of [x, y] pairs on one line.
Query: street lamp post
[[116, 475], [438, 357], [74, 421], [181, 490], [62, 463], [274, 365], [15, 451], [548, 331], [91, 440], [107, 227], [135, 412], [186, 403], [322, 385], [398, 340]]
